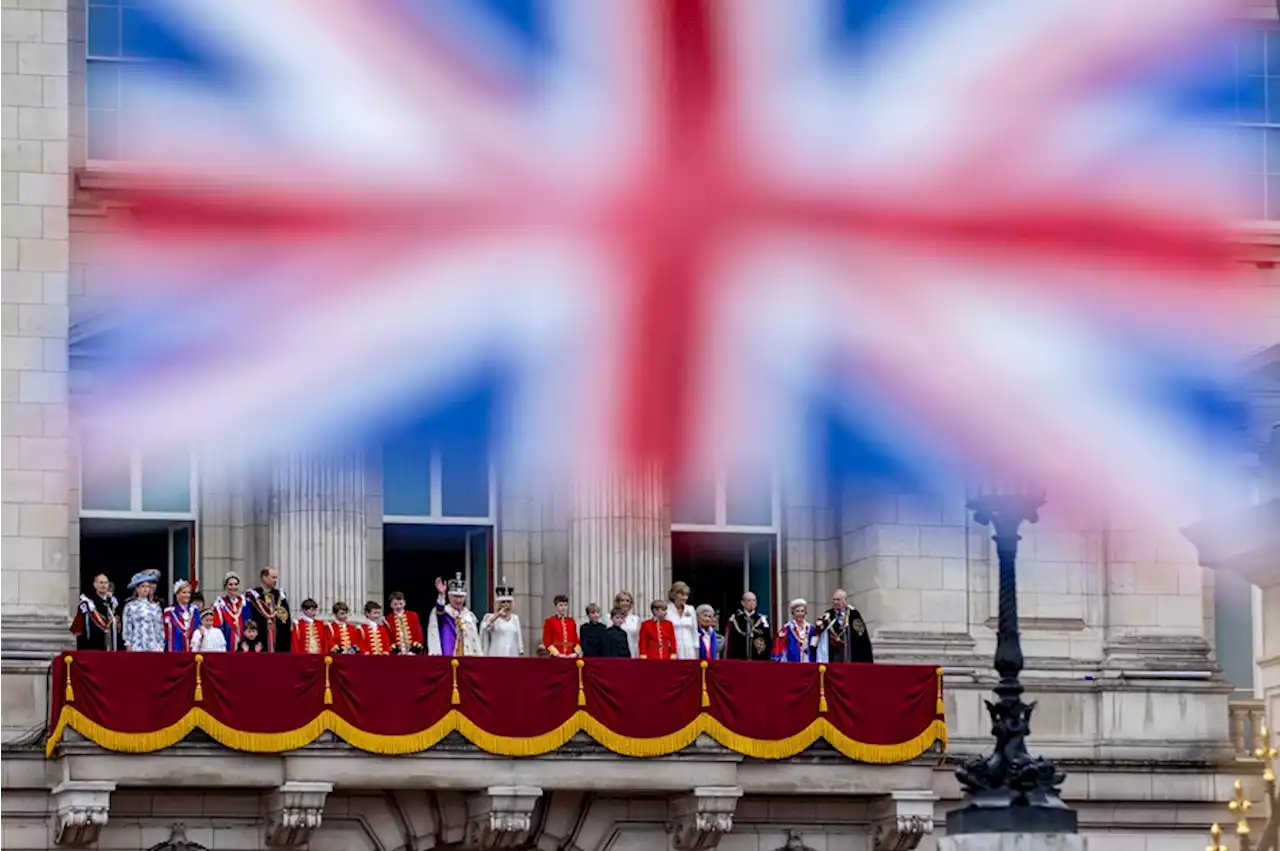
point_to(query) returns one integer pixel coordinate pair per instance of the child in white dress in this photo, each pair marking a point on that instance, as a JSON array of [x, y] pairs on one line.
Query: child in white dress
[[208, 638]]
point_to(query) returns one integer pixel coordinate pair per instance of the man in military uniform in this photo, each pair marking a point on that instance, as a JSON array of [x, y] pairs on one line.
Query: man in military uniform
[[270, 611], [842, 633], [748, 632], [97, 621]]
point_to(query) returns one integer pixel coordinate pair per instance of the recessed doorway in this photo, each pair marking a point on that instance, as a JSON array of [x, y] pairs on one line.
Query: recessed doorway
[[720, 567], [121, 547], [414, 554]]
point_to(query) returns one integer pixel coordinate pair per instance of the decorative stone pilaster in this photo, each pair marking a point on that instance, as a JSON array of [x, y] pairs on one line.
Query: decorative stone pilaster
[[500, 816], [699, 820], [80, 809], [317, 526], [901, 819], [618, 540], [293, 811]]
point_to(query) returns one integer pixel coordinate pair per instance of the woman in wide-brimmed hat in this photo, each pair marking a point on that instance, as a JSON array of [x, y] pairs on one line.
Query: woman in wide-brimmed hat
[[143, 618]]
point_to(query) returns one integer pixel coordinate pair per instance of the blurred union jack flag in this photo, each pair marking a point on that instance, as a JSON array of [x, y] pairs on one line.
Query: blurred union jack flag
[[908, 239]]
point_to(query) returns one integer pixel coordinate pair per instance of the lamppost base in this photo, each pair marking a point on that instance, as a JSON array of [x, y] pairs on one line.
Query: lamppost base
[[995, 811], [1013, 842]]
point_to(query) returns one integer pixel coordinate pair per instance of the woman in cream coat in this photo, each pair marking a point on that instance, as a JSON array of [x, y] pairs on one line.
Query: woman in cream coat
[[685, 620]]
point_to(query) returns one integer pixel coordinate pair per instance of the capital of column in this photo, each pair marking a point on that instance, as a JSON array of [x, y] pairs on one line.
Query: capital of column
[[293, 811], [80, 809], [699, 820], [901, 819], [501, 816]]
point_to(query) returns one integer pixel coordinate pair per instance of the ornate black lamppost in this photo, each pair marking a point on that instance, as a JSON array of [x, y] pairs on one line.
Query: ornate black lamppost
[[1009, 791]]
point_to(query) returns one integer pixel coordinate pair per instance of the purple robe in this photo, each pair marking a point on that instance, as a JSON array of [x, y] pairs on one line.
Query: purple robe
[[443, 633]]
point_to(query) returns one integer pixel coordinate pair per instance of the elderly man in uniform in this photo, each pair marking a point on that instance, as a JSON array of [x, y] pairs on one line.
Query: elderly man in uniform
[[842, 633], [748, 632]]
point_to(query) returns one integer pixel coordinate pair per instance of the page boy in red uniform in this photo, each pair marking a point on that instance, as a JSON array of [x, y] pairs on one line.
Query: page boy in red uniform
[[406, 629], [343, 637], [560, 632], [657, 635], [376, 640], [309, 634]]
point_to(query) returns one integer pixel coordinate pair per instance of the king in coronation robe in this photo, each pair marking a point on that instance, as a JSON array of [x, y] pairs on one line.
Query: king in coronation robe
[[452, 630]]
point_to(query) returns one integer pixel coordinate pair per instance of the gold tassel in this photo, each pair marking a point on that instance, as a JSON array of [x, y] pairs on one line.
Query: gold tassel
[[940, 708], [199, 686], [328, 693], [71, 695], [706, 701], [456, 697], [822, 688], [582, 695]]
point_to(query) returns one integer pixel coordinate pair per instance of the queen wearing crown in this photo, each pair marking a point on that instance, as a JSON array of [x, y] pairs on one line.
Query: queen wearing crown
[[452, 630], [500, 630]]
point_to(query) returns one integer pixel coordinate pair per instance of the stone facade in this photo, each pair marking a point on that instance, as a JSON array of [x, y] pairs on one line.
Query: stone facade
[[1118, 622]]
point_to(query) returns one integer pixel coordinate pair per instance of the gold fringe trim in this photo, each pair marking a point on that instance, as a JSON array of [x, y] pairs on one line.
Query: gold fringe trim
[[199, 688], [940, 708], [706, 700], [328, 692], [582, 695], [580, 721], [455, 697], [822, 688], [71, 695]]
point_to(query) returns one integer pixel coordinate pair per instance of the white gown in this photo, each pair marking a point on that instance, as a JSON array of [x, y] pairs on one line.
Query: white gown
[[631, 626], [686, 627], [502, 636], [209, 640]]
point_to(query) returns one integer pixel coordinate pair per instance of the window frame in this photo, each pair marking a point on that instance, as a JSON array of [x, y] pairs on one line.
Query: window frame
[[135, 510], [1270, 219], [435, 515], [100, 163], [722, 524]]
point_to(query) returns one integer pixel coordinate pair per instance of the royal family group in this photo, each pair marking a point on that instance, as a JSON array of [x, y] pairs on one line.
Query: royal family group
[[260, 620]]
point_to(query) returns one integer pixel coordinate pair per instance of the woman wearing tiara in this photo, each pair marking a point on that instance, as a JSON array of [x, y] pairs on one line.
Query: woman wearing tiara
[[500, 631], [230, 611], [143, 626], [181, 620]]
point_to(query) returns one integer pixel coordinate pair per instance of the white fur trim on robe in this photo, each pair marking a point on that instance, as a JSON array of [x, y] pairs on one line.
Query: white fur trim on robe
[[467, 626]]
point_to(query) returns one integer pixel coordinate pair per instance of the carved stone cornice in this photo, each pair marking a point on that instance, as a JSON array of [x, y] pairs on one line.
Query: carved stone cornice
[[699, 820], [901, 819], [501, 816], [80, 810], [293, 811]]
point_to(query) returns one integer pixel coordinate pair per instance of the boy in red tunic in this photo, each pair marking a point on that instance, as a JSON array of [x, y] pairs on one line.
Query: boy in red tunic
[[406, 629], [343, 637], [657, 638], [560, 632], [309, 634], [376, 640]]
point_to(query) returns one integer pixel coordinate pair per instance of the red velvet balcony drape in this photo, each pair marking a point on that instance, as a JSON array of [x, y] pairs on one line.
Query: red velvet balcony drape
[[140, 702]]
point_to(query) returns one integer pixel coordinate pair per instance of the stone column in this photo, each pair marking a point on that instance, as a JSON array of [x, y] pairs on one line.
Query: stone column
[[619, 539], [38, 575], [317, 527]]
